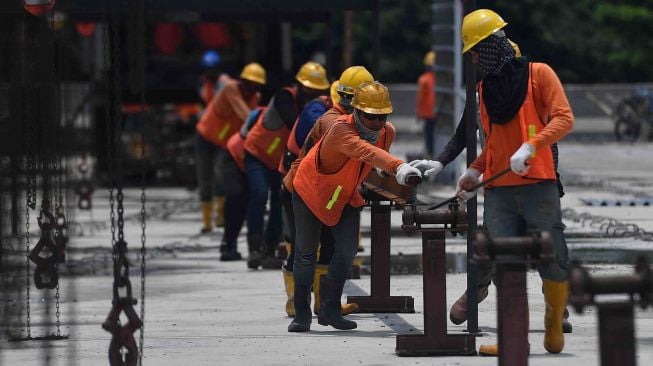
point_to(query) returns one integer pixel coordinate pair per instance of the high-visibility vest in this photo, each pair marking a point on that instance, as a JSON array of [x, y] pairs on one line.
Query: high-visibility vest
[[530, 124], [217, 126], [327, 194], [268, 137]]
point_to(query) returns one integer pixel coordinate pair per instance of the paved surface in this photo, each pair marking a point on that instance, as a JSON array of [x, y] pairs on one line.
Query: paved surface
[[204, 312]]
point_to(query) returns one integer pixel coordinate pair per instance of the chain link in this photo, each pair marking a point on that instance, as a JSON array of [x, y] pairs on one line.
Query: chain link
[[27, 272]]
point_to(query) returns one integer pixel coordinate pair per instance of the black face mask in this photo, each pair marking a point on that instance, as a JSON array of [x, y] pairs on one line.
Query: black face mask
[[493, 53]]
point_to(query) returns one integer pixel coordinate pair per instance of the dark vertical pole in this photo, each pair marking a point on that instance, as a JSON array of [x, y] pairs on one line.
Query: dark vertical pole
[[376, 39], [328, 45], [512, 314], [380, 250], [470, 120], [617, 334]]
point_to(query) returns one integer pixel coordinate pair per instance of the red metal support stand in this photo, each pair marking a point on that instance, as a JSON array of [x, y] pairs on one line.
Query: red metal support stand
[[512, 314], [380, 300], [435, 340]]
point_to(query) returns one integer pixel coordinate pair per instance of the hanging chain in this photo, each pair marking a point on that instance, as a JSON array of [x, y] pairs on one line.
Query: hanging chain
[[123, 349], [27, 269], [140, 70]]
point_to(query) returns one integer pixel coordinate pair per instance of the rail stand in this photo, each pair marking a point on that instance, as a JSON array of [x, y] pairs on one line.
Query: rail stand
[[616, 320], [435, 341], [512, 256], [381, 193]]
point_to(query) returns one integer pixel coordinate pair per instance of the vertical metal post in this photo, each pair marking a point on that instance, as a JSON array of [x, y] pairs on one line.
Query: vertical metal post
[[470, 120], [347, 38], [380, 236], [435, 341], [376, 39], [512, 314], [286, 47], [617, 334], [380, 300]]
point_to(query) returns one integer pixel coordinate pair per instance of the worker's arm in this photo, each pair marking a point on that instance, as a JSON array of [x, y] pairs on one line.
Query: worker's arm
[[233, 97], [344, 140], [552, 106], [479, 163], [457, 143]]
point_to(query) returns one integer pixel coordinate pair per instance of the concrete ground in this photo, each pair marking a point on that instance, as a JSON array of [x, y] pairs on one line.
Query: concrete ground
[[200, 311]]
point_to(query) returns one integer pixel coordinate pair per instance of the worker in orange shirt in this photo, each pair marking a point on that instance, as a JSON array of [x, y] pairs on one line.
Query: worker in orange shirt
[[326, 193], [426, 102], [523, 110], [222, 118], [264, 148], [315, 120]]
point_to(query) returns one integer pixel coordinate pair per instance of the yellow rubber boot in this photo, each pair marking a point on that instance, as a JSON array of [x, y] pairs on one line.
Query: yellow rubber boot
[[207, 212], [322, 269], [555, 297], [289, 283], [361, 248], [489, 350], [219, 211]]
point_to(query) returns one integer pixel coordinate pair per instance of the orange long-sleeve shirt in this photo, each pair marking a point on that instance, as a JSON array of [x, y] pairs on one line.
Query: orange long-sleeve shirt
[[343, 142], [426, 95], [553, 109]]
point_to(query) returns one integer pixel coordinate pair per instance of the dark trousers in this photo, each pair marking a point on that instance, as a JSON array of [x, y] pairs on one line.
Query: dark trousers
[[307, 236], [326, 236], [429, 136], [236, 191], [209, 168], [263, 182]]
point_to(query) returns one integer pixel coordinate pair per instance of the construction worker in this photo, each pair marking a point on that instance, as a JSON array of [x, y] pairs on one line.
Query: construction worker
[[426, 102], [317, 119], [326, 193], [264, 148], [523, 111], [236, 188], [457, 143], [222, 118]]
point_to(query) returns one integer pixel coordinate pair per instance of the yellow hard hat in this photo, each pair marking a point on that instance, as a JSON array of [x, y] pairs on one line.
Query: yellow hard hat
[[253, 72], [352, 77], [515, 47], [335, 97], [313, 75], [429, 58], [479, 25], [372, 97]]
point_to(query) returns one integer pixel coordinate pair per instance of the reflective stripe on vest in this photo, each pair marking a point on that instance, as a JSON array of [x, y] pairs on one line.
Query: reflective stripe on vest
[[334, 197]]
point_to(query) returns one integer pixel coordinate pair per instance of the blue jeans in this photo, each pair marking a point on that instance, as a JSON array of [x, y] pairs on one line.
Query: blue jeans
[[209, 168], [263, 182], [511, 211], [307, 236]]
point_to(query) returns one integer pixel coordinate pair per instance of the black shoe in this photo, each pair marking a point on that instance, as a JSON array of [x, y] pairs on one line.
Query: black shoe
[[269, 262], [223, 248], [230, 256], [566, 325], [254, 260], [330, 312], [206, 230]]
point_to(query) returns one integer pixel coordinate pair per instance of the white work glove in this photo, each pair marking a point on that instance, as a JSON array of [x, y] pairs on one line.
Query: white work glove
[[429, 167], [466, 181], [519, 159], [403, 171]]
